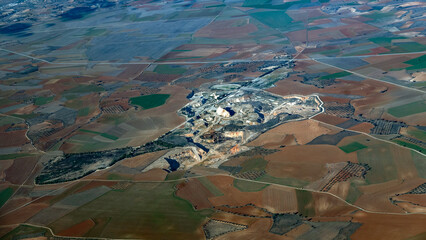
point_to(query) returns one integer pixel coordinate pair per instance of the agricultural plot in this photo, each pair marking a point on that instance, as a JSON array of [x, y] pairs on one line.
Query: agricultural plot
[[352, 147], [246, 186], [147, 210], [150, 101], [408, 109], [381, 161]]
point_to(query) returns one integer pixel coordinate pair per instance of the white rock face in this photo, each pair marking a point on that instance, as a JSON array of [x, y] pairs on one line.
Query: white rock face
[[222, 112]]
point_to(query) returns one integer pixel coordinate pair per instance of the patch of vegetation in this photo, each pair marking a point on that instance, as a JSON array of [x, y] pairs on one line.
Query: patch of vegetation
[[105, 135], [417, 133], [305, 203], [332, 52], [151, 210], [76, 165], [77, 13], [82, 112], [352, 147], [420, 163], [409, 145], [26, 116], [25, 231], [175, 175], [14, 155], [384, 41], [408, 109], [420, 236], [42, 100], [114, 176], [374, 16], [418, 63], [354, 193], [150, 101], [381, 161], [169, 69], [210, 186], [336, 75], [14, 28], [5, 194], [283, 181], [268, 4], [248, 186], [6, 120], [273, 19], [253, 164]]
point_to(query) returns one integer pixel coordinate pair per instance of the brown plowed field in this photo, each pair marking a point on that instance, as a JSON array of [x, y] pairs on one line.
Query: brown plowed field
[[382, 226], [79, 229], [279, 199], [305, 162], [195, 192], [233, 196]]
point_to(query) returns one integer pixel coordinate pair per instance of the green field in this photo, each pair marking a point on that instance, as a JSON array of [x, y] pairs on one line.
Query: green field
[[83, 112], [381, 161], [5, 194], [417, 133], [354, 193], [273, 19], [336, 75], [169, 69], [6, 120], [253, 164], [384, 41], [210, 186], [352, 147], [144, 210], [283, 181], [248, 186], [150, 101], [42, 100], [175, 175], [105, 135], [305, 203], [14, 155], [114, 176], [409, 145], [408, 109], [418, 63]]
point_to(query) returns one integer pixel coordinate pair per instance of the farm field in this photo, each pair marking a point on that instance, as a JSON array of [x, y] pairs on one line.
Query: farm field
[[216, 120]]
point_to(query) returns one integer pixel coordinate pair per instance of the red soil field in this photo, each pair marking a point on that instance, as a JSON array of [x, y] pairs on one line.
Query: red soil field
[[362, 127], [15, 138], [195, 192], [20, 169], [305, 162], [233, 196], [131, 71], [79, 229]]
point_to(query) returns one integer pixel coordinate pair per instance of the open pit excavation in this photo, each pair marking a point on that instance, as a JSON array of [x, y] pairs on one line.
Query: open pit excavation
[[234, 116], [220, 120]]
